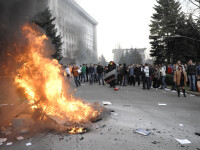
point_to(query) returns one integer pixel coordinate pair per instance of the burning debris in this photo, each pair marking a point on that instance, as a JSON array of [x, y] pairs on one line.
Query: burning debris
[[49, 104]]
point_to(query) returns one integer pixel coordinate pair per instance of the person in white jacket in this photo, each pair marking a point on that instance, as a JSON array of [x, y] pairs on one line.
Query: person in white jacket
[[146, 80], [163, 76]]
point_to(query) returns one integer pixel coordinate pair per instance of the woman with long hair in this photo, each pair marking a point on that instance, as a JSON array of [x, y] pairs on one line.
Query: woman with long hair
[[180, 78]]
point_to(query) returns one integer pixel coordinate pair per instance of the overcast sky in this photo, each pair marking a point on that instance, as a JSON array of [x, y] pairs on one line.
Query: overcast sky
[[124, 22]]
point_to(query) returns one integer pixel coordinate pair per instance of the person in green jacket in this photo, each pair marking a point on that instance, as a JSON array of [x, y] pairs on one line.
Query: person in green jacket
[[83, 70]]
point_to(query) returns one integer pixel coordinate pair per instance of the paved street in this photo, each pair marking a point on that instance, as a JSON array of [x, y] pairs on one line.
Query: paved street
[[134, 108]]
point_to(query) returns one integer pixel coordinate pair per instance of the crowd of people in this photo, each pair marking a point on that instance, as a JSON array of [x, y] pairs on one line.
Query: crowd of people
[[151, 76]]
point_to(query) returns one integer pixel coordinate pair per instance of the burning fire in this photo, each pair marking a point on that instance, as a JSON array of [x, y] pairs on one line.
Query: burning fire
[[42, 81]]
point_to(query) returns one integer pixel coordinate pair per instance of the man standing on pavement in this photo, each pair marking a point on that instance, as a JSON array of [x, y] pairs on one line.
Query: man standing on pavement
[[131, 75], [91, 73], [100, 73], [125, 74], [191, 70], [163, 76], [147, 78], [76, 74], [137, 74], [83, 70]]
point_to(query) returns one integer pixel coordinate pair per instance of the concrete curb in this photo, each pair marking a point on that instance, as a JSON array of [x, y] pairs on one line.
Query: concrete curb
[[194, 93]]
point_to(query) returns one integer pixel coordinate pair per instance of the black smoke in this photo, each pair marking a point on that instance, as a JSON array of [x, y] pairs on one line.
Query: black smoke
[[14, 14]]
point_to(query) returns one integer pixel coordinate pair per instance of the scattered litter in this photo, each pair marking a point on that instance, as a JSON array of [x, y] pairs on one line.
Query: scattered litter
[[192, 95], [181, 93], [116, 89], [155, 142], [126, 105], [9, 143], [115, 114], [112, 110], [143, 132], [5, 104], [20, 138], [197, 133], [162, 104], [183, 141], [2, 140], [24, 131], [173, 91], [28, 144], [81, 138], [181, 125], [106, 103], [8, 133]]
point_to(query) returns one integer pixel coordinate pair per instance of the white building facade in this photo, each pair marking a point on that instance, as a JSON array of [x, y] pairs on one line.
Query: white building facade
[[77, 28]]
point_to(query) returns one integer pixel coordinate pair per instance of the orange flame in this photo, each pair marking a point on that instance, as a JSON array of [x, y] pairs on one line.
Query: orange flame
[[42, 81]]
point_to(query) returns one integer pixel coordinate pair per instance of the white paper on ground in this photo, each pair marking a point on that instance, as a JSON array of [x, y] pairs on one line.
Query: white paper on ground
[[162, 104], [9, 143], [181, 125], [192, 95], [115, 114], [20, 138], [106, 103], [183, 141], [2, 140], [173, 91], [28, 144], [167, 89], [181, 93]]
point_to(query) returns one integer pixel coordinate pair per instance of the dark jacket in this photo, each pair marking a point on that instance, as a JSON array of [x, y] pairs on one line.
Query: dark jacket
[[91, 70], [87, 70], [125, 72], [99, 69], [137, 71], [111, 67], [191, 70]]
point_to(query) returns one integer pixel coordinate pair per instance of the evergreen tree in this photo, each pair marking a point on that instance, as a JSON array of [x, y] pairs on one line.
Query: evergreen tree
[[122, 59], [163, 25], [45, 21], [102, 60]]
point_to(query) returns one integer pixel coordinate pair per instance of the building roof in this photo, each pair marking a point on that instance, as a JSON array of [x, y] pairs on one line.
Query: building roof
[[82, 12], [140, 49]]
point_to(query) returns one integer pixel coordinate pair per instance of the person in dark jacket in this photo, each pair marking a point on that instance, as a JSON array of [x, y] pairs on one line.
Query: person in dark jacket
[[87, 73], [100, 73], [91, 73], [191, 71], [137, 74], [156, 78], [125, 74], [111, 67], [120, 74], [132, 75]]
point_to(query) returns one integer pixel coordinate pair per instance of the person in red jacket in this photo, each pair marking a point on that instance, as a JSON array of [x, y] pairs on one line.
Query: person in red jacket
[[76, 75], [169, 69]]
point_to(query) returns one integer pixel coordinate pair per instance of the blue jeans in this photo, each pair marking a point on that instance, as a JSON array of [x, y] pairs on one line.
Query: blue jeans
[[96, 77], [76, 80], [125, 80], [100, 76], [83, 76], [164, 85], [91, 77], [146, 81], [192, 80]]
